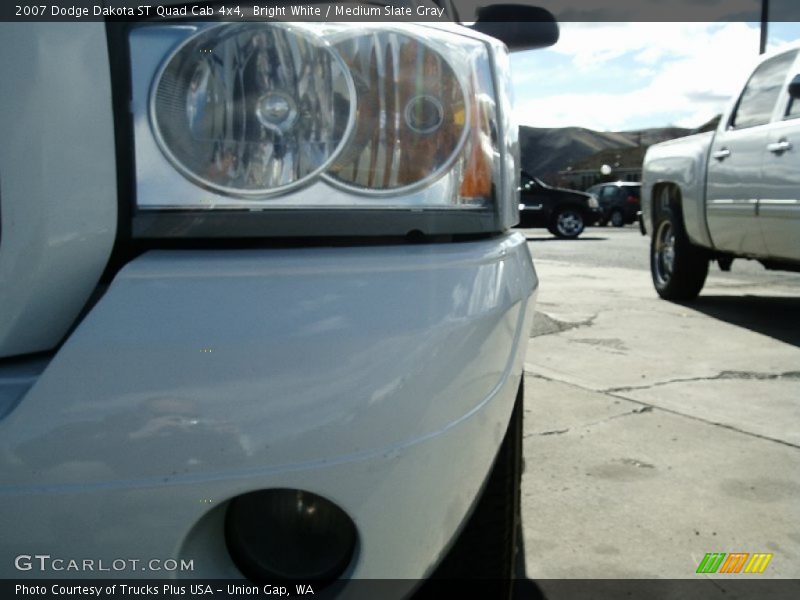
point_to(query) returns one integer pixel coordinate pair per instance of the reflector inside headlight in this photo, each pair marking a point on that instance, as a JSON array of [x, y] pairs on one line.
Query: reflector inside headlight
[[253, 109], [412, 113]]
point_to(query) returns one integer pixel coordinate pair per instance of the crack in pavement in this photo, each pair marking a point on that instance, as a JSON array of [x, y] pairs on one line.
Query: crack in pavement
[[635, 411], [553, 432], [647, 407], [722, 375], [544, 324]]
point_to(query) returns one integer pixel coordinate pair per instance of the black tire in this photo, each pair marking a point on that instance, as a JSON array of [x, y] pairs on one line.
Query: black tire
[[568, 223], [486, 548], [678, 267], [617, 218]]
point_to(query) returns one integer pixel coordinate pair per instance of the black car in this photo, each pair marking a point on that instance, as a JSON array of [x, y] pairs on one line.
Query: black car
[[620, 201], [565, 213]]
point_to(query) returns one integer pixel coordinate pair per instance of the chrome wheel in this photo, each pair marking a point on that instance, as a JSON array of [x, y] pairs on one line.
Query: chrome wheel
[[664, 253], [569, 223], [677, 266]]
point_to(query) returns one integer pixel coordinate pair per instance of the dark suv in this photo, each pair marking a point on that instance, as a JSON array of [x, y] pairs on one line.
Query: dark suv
[[620, 201], [565, 213]]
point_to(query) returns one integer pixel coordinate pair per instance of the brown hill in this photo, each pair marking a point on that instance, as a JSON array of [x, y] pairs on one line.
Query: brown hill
[[545, 151]]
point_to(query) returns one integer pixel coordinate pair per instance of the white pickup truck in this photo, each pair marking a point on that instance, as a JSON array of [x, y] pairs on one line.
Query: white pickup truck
[[732, 193], [261, 312]]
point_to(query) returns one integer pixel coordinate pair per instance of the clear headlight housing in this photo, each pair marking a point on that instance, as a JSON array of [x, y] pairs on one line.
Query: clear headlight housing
[[250, 110], [275, 117]]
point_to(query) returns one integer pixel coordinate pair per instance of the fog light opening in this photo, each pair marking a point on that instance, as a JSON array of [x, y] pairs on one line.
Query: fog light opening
[[289, 535]]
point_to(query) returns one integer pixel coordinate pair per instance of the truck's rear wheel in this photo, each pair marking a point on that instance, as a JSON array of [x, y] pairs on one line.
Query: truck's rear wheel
[[679, 268]]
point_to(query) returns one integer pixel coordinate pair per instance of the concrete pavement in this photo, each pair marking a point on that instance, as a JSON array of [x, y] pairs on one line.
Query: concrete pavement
[[658, 432]]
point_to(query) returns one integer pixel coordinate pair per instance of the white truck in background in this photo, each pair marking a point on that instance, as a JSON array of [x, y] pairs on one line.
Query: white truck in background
[[731, 193]]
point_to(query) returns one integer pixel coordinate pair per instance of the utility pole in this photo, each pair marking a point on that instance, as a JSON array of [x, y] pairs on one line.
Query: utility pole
[[764, 25]]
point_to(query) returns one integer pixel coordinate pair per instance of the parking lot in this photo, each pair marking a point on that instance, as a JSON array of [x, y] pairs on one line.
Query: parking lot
[[658, 432]]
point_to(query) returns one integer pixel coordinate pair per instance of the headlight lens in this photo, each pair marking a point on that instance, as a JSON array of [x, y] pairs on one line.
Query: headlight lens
[[593, 202], [412, 113], [253, 109]]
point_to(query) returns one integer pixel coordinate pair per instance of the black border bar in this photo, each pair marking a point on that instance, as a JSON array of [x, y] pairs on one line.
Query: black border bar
[[396, 10]]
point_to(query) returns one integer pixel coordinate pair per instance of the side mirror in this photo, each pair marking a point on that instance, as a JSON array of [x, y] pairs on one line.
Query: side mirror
[[519, 26], [794, 87]]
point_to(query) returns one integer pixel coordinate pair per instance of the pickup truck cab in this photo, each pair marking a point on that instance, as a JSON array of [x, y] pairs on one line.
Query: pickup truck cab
[[731, 193], [262, 313]]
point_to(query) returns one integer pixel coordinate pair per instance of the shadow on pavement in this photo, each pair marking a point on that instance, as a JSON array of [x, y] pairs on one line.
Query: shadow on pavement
[[524, 588], [555, 239], [775, 316]]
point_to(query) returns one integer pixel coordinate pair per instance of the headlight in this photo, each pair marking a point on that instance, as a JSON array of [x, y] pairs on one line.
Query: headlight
[[412, 113], [252, 110], [380, 129], [593, 202]]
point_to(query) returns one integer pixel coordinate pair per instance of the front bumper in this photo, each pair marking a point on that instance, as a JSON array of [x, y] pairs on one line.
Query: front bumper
[[381, 378]]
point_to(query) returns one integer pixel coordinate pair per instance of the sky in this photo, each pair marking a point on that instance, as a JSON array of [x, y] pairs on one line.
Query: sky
[[623, 76]]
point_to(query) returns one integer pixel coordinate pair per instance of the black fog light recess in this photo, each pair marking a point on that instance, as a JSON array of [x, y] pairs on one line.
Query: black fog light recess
[[284, 534]]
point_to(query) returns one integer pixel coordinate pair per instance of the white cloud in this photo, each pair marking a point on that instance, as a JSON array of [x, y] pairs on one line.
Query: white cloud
[[686, 72]]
